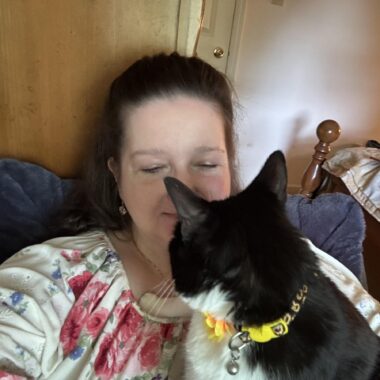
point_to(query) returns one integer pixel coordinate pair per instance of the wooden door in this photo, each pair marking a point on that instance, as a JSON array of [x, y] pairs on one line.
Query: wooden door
[[57, 59], [220, 34]]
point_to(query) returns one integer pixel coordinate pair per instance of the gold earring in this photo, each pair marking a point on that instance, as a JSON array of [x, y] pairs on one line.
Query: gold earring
[[122, 209]]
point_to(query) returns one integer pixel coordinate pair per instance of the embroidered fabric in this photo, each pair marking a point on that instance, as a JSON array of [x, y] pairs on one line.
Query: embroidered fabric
[[349, 285], [67, 312]]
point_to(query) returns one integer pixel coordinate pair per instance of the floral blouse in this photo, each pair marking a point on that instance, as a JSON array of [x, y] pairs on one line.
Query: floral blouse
[[67, 312]]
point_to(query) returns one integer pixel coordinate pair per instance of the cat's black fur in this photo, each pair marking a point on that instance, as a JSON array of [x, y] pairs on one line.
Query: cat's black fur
[[246, 245]]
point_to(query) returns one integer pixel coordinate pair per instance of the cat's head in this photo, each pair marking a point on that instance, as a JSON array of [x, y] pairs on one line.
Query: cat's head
[[239, 256]]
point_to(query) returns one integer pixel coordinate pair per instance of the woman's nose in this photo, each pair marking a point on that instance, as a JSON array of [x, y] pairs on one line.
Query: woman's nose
[[188, 180]]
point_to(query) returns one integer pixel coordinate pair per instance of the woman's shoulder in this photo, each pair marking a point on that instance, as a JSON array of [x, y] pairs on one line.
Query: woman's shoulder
[[46, 269], [67, 251], [86, 243], [350, 286]]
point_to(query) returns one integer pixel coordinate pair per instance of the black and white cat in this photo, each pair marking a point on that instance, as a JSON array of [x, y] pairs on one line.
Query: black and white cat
[[241, 261]]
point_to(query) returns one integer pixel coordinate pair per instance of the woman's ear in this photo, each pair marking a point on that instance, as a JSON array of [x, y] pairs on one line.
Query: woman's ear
[[113, 168]]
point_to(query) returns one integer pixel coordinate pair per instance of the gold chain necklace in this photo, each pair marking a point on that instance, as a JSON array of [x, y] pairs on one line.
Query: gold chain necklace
[[148, 260]]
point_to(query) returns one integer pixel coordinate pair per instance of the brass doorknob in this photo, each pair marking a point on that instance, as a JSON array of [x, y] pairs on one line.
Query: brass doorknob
[[218, 52]]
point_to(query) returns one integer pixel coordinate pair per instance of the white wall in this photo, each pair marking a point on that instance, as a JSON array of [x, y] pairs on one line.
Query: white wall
[[299, 64]]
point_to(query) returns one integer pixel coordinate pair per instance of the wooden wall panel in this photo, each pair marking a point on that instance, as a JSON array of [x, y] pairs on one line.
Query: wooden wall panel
[[57, 59]]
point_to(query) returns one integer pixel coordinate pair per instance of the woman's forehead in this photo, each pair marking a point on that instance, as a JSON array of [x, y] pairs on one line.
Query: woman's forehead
[[180, 121]]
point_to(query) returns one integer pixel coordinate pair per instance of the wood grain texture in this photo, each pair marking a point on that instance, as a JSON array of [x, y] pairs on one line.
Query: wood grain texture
[[57, 59]]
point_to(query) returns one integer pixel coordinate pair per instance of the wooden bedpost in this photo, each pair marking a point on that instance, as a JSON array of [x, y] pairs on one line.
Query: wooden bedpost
[[328, 131]]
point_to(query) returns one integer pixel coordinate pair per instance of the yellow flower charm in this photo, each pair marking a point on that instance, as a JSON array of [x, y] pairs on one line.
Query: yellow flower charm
[[217, 329]]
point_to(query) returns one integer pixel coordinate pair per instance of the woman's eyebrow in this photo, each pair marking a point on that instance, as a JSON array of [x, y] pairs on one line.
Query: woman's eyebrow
[[160, 152], [206, 149], [151, 152]]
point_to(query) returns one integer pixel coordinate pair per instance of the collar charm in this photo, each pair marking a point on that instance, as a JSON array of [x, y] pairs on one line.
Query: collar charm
[[217, 329], [236, 343]]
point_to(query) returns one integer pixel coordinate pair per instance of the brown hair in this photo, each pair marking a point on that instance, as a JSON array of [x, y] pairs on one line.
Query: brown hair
[[95, 203]]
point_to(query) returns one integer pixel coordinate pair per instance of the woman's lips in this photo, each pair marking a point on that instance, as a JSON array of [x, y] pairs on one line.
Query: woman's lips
[[172, 218], [171, 215]]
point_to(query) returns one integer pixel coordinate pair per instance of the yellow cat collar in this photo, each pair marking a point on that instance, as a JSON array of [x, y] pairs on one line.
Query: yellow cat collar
[[267, 331], [217, 329]]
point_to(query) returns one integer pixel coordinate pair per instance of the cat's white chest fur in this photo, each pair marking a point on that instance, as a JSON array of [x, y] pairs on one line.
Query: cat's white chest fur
[[207, 359]]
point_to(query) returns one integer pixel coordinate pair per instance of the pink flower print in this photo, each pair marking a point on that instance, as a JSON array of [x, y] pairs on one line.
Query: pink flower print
[[129, 322], [72, 328], [79, 282], [106, 361], [92, 293], [150, 353], [167, 331], [72, 255], [8, 376], [96, 321], [79, 314], [116, 347], [124, 301], [126, 295]]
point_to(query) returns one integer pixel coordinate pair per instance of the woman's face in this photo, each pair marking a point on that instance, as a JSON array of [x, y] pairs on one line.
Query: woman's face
[[182, 137]]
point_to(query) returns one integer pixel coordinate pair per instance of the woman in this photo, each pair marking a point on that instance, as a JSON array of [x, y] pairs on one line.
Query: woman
[[76, 308], [72, 307]]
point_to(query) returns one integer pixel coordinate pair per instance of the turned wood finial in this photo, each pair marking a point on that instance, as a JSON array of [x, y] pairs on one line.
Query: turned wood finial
[[328, 131]]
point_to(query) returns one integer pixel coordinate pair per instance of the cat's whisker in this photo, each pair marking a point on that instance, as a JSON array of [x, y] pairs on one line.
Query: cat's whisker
[[158, 304], [162, 296], [161, 285], [164, 299], [156, 291], [163, 290]]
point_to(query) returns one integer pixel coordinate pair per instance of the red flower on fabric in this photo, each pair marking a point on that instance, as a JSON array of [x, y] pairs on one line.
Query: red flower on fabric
[[105, 360], [79, 282], [92, 293], [124, 302], [96, 321], [129, 323], [112, 357], [150, 353], [8, 376], [167, 331], [72, 328], [72, 255], [116, 347], [80, 313]]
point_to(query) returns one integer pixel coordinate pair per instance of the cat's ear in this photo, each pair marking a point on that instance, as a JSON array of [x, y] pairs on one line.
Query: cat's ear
[[273, 175], [191, 209]]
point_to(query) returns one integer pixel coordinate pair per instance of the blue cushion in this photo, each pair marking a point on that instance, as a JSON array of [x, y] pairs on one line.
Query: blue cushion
[[334, 223], [30, 194]]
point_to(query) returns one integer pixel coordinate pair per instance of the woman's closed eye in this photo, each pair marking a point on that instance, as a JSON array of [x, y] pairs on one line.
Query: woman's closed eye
[[154, 169], [207, 165]]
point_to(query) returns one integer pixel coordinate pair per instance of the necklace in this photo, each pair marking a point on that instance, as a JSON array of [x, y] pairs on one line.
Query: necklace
[[148, 260]]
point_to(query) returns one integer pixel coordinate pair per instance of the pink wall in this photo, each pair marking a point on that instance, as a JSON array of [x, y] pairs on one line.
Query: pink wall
[[299, 64]]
